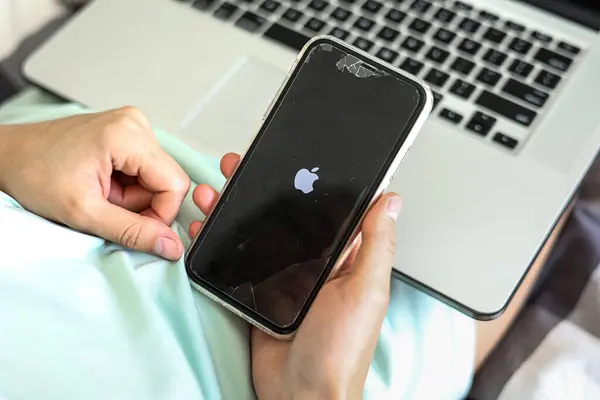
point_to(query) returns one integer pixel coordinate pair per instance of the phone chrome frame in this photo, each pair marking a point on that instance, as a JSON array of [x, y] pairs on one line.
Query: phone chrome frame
[[389, 175]]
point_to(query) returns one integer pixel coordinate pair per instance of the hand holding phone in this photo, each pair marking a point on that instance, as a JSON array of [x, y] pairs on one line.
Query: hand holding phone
[[330, 354], [327, 149]]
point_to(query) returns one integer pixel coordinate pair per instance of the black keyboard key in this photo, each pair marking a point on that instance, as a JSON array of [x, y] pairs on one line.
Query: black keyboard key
[[225, 11], [203, 4], [411, 66], [521, 68], [364, 24], [372, 6], [525, 93], [553, 59], [506, 108], [363, 44], [459, 5], [420, 26], [436, 99], [514, 26], [488, 16], [489, 77], [495, 57], [251, 22], [444, 36], [315, 25], [463, 65], [445, 16], [462, 89], [436, 77], [494, 35], [547, 79], [520, 46], [292, 15], [437, 55], [504, 140], [412, 44], [318, 5], [421, 6], [341, 14], [270, 5], [287, 36], [542, 37], [469, 46], [339, 33], [388, 34], [469, 25], [569, 48], [481, 123], [386, 54], [451, 116], [395, 16]]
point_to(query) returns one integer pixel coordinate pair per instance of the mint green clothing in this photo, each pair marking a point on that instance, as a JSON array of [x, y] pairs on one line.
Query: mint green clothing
[[81, 318]]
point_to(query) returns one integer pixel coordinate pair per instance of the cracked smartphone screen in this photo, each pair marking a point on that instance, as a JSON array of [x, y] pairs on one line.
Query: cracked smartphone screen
[[290, 208]]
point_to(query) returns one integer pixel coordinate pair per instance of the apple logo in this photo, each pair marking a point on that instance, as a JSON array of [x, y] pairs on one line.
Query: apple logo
[[304, 180]]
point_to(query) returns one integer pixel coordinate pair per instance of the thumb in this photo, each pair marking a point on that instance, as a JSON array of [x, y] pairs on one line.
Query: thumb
[[134, 231], [375, 257]]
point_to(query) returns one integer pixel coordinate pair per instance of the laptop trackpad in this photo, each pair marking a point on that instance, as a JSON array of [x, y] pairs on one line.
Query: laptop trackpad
[[227, 118]]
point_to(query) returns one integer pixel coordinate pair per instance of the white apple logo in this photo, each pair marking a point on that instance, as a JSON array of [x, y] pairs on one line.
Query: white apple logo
[[304, 180]]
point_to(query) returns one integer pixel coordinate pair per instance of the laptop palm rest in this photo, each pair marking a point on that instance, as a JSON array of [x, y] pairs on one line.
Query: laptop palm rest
[[227, 118]]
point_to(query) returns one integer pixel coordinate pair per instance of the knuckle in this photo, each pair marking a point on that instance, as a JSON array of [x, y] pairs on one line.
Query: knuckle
[[127, 118], [131, 236], [390, 242], [134, 116], [134, 113]]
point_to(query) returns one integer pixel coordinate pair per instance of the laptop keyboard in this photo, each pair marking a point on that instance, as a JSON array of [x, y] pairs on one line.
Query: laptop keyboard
[[492, 77]]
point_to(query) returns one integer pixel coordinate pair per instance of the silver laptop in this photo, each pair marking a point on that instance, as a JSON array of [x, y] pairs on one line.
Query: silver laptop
[[512, 133]]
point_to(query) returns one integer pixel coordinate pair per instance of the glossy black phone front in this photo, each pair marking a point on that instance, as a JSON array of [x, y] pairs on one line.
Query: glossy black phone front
[[275, 235]]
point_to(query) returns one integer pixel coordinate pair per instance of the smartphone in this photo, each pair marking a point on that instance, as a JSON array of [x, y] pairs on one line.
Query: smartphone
[[327, 147]]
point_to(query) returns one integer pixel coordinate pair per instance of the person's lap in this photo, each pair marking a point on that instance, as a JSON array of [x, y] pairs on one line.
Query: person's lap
[[87, 318]]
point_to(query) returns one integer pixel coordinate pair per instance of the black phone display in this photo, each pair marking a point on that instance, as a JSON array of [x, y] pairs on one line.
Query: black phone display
[[300, 191]]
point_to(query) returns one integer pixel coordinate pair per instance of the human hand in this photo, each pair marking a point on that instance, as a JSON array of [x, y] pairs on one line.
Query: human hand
[[103, 174], [330, 354]]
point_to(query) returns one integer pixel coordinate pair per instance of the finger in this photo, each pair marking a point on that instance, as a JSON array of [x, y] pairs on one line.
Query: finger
[[195, 228], [132, 230], [205, 197], [125, 180], [229, 163], [373, 264], [157, 172], [133, 198]]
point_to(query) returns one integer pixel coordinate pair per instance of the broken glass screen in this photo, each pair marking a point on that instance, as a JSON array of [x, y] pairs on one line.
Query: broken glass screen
[[289, 210]]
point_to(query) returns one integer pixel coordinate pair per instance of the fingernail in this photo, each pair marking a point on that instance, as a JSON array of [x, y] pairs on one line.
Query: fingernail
[[166, 247], [394, 206]]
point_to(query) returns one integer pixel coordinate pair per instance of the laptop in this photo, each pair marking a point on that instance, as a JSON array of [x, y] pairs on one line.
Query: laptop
[[512, 133]]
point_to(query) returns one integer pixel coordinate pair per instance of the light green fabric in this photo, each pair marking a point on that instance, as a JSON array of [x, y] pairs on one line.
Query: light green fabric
[[81, 318]]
